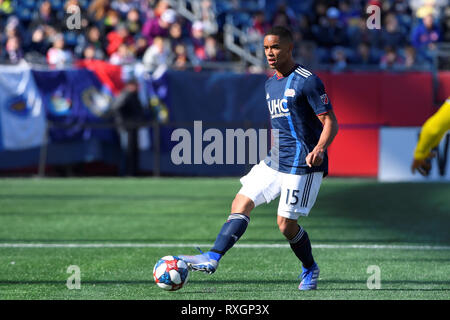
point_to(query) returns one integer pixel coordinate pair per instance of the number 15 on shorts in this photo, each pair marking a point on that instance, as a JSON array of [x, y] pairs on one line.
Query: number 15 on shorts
[[298, 194], [291, 197]]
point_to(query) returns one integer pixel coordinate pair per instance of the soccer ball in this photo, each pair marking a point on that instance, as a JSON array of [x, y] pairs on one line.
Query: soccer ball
[[171, 273]]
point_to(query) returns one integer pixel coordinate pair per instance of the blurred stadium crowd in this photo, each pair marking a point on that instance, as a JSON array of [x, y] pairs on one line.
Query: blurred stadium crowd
[[332, 33]]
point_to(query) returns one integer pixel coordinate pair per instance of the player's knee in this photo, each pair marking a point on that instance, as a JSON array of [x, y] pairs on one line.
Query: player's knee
[[242, 204], [288, 227]]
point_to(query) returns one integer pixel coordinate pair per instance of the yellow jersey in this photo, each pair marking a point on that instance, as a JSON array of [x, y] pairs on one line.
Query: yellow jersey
[[432, 131]]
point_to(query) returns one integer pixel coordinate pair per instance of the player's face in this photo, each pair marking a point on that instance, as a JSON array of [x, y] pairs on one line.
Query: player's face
[[277, 52]]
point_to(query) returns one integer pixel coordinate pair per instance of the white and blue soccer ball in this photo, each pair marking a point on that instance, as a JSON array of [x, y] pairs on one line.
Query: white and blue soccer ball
[[171, 273]]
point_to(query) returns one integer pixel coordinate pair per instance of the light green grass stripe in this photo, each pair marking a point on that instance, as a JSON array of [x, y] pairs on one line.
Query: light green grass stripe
[[190, 245]]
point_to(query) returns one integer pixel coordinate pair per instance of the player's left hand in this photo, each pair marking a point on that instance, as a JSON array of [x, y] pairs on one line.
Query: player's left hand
[[423, 165], [315, 157]]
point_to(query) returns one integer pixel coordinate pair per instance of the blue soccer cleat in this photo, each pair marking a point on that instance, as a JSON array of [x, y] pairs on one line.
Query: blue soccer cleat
[[309, 278], [200, 262]]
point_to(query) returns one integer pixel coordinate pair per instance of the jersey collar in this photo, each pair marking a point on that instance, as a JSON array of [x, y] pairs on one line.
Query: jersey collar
[[282, 77]]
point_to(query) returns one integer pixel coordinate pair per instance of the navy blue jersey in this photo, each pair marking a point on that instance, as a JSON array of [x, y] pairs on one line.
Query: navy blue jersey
[[294, 102]]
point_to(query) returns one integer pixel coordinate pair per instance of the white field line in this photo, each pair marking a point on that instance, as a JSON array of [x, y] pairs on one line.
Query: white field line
[[193, 245]]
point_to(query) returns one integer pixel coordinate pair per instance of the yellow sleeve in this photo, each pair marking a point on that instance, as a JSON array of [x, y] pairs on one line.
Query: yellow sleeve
[[432, 131]]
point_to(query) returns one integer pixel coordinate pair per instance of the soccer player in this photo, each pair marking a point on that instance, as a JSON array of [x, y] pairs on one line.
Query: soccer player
[[431, 134], [303, 125]]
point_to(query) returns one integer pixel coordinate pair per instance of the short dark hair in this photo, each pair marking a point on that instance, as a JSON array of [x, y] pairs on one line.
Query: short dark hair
[[283, 33]]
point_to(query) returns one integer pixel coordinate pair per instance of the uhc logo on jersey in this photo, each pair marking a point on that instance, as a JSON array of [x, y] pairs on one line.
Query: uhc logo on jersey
[[278, 108], [324, 98]]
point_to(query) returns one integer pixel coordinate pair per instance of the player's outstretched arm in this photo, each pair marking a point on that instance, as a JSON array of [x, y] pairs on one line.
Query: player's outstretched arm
[[329, 132], [431, 134]]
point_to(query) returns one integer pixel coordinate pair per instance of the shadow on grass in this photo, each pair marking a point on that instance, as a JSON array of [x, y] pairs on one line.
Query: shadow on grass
[[329, 285], [417, 212], [391, 282]]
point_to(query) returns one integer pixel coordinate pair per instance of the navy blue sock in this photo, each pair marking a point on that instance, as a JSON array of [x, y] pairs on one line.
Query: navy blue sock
[[231, 231], [301, 246]]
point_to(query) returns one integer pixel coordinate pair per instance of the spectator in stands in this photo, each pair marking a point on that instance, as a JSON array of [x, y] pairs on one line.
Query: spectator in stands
[[348, 13], [184, 44], [198, 40], [391, 59], [259, 24], [97, 11], [208, 17], [319, 13], [281, 19], [160, 7], [304, 28], [255, 32], [93, 38], [57, 55], [339, 59], [364, 56], [284, 16], [44, 17], [359, 32], [212, 50], [175, 35], [38, 46], [330, 32], [133, 22], [412, 61], [139, 47], [97, 14], [158, 26], [423, 8], [50, 33], [122, 56], [156, 57], [391, 34], [403, 14], [13, 50], [118, 37], [180, 60], [89, 52], [110, 23], [13, 28], [425, 36]]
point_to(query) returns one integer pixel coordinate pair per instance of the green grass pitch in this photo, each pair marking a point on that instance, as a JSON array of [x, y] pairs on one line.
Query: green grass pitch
[[179, 212]]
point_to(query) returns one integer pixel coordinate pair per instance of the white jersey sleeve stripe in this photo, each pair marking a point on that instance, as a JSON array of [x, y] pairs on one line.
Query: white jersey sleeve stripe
[[304, 70], [302, 74]]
